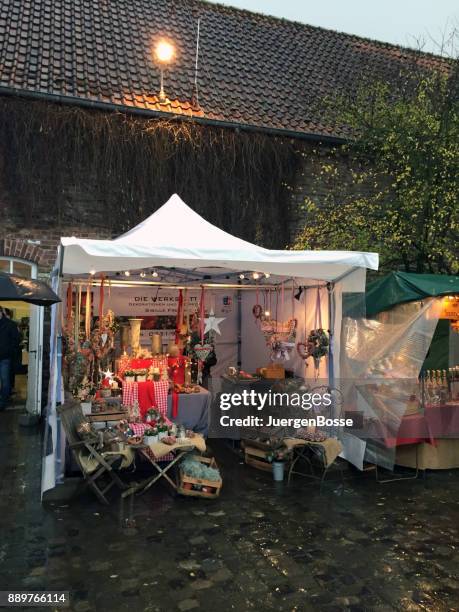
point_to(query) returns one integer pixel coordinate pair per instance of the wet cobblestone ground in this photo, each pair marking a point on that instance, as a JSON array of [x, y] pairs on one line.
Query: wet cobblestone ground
[[260, 546]]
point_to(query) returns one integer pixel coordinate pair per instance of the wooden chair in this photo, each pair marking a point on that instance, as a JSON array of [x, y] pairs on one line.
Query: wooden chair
[[104, 477]]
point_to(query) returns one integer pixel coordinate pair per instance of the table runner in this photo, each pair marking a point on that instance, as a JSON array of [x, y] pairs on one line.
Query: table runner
[[139, 430], [143, 364]]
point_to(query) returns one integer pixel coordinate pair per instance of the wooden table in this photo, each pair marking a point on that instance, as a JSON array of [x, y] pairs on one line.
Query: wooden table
[[153, 454]]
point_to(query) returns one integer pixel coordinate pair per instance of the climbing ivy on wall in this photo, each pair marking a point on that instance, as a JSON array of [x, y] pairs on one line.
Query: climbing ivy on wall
[[130, 165]]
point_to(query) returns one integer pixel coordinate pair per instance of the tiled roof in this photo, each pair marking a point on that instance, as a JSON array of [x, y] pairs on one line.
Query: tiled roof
[[253, 69]]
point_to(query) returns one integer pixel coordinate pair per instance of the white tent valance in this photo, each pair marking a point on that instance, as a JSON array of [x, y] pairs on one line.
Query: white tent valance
[[176, 236]]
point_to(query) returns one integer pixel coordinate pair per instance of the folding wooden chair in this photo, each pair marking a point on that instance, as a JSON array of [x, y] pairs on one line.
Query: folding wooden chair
[[104, 476]]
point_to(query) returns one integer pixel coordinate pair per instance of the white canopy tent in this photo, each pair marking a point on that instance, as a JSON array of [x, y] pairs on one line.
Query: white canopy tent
[[177, 237]]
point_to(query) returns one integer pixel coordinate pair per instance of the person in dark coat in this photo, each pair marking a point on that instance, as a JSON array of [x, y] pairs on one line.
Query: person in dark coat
[[16, 359], [9, 340]]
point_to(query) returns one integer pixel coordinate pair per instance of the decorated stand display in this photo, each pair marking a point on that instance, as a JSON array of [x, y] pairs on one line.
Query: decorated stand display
[[130, 372], [279, 335]]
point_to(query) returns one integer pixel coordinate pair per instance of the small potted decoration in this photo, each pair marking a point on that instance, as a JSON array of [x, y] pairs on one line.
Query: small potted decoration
[[278, 456], [163, 430], [85, 392], [141, 375], [150, 436], [129, 376], [151, 416]]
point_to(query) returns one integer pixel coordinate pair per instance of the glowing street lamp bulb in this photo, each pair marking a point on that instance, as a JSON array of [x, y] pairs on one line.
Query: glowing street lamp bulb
[[255, 275], [127, 273], [164, 52]]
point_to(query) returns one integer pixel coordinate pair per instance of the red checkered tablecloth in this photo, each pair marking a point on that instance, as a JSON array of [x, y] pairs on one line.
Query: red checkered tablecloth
[[149, 394], [161, 392], [130, 393]]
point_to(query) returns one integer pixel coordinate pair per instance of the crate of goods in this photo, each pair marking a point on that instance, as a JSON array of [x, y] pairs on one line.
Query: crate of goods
[[258, 457], [259, 453], [192, 480], [272, 371]]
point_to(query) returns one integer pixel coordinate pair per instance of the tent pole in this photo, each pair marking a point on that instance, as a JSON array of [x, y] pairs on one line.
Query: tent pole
[[331, 324], [239, 328]]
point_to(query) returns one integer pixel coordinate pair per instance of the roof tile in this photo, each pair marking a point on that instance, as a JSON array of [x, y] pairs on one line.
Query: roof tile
[[253, 69]]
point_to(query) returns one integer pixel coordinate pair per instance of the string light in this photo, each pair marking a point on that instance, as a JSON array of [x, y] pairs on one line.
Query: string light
[[267, 313], [142, 274], [255, 276], [127, 273], [154, 274], [92, 272], [267, 274], [242, 276]]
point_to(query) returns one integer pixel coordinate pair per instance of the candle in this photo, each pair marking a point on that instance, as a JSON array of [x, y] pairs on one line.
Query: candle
[[156, 344]]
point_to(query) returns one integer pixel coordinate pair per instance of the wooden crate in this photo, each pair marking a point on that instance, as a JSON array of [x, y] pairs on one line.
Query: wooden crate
[[214, 486], [257, 458], [273, 371]]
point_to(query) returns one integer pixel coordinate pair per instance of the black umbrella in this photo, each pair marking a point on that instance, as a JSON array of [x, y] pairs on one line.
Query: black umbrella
[[14, 287]]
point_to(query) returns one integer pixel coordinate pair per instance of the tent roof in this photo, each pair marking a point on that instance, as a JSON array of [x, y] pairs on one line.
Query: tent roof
[[399, 287], [176, 222], [176, 236]]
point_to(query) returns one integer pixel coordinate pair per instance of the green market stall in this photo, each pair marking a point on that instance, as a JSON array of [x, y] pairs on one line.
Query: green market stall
[[405, 335]]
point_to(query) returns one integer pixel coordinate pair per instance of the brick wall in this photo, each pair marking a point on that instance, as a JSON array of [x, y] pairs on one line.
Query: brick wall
[[39, 244], [341, 184]]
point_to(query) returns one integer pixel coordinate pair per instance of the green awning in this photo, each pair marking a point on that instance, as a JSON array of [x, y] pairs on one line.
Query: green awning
[[399, 287]]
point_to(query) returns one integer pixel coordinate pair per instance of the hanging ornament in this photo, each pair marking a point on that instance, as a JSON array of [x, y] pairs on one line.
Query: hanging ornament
[[212, 323], [202, 350], [318, 342], [280, 337], [318, 345], [257, 311]]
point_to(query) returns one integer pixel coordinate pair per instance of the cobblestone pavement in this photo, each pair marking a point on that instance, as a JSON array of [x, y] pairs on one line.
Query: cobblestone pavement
[[260, 546]]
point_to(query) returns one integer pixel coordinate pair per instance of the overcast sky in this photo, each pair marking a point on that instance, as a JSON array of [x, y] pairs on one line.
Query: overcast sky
[[394, 21]]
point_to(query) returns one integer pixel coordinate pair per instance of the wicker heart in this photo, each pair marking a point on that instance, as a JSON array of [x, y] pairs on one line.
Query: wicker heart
[[302, 350], [202, 351]]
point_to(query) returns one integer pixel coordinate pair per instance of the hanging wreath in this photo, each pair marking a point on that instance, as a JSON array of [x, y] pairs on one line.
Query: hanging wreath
[[257, 311], [318, 345]]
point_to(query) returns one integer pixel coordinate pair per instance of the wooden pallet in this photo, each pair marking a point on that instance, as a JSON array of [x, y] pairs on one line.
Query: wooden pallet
[[212, 487]]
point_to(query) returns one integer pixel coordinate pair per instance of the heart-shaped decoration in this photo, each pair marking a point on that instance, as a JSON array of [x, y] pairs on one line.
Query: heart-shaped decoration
[[202, 350], [302, 350]]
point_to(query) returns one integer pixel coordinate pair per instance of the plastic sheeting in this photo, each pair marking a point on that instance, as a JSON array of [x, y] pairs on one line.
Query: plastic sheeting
[[381, 359], [53, 441]]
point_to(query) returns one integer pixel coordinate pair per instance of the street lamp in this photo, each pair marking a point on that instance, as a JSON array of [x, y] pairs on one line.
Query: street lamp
[[164, 53]]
